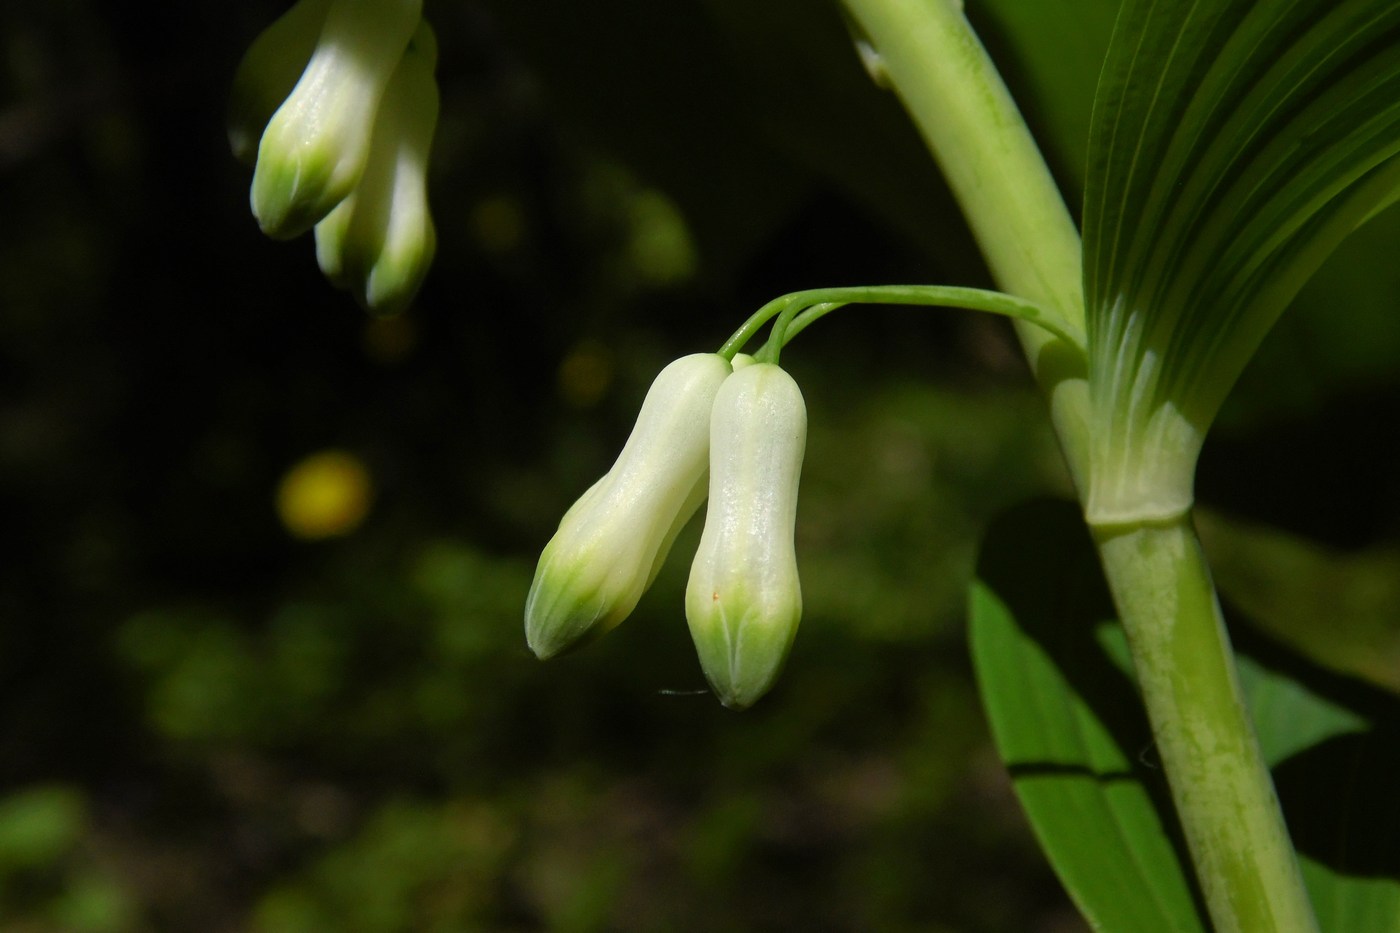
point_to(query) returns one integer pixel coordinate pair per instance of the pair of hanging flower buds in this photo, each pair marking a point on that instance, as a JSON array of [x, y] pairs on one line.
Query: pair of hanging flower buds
[[745, 425], [337, 103]]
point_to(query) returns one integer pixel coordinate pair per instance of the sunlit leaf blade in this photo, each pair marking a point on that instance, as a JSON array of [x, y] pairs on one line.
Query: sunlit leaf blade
[[1066, 718], [1068, 724], [1232, 147]]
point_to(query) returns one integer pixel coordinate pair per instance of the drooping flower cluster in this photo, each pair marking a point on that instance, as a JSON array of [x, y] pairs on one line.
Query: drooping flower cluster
[[337, 103], [745, 425]]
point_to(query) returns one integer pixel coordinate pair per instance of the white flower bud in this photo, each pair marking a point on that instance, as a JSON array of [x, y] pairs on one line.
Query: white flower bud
[[379, 241], [611, 543], [268, 72], [744, 600], [314, 148]]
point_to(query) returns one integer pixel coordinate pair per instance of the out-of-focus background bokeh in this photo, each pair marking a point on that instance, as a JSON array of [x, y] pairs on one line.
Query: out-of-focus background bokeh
[[264, 557]]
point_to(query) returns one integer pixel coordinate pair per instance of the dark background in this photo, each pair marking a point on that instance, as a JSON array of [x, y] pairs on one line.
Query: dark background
[[208, 723]]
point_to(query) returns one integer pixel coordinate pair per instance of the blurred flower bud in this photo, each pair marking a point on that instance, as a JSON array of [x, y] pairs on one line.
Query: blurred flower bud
[[269, 71], [744, 600], [610, 545], [314, 148], [379, 241]]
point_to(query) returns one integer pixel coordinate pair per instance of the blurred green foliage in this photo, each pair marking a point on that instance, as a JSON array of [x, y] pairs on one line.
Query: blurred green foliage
[[206, 723]]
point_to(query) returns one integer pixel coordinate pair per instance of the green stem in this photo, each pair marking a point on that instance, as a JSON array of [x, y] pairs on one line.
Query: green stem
[[762, 316], [797, 311], [809, 317], [937, 65], [1223, 793], [939, 296], [778, 338]]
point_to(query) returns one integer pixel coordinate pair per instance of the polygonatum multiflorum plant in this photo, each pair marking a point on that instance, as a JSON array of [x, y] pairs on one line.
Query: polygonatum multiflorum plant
[[1234, 145]]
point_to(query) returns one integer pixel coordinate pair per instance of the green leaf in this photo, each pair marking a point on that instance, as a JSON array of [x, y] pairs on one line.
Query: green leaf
[[1233, 146], [1284, 583], [1068, 724], [1334, 747], [1056, 681]]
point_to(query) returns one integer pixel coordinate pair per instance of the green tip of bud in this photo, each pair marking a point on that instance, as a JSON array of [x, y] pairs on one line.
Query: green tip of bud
[[293, 191], [382, 269], [564, 614], [394, 280], [741, 653]]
